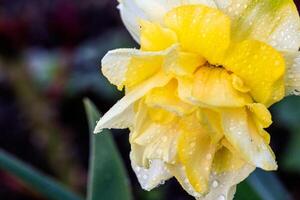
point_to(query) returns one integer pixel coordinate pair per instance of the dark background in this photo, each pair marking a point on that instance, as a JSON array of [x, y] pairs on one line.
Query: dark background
[[50, 53]]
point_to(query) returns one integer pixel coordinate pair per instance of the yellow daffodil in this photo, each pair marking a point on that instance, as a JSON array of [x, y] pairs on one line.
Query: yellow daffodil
[[199, 88]]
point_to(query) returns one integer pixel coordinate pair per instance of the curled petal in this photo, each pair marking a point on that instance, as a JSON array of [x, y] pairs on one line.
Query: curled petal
[[201, 30], [195, 152], [262, 114], [153, 176], [222, 186], [292, 77], [111, 118], [151, 10], [154, 37], [167, 99], [274, 22], [131, 66], [213, 87], [156, 142], [242, 133], [261, 68]]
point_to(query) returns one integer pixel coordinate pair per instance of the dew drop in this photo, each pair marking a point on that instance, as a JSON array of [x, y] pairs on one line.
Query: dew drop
[[215, 184], [145, 176], [208, 156], [221, 197]]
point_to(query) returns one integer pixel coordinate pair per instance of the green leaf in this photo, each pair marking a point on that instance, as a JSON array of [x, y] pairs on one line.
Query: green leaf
[[246, 192], [107, 175], [262, 185], [41, 183], [287, 114]]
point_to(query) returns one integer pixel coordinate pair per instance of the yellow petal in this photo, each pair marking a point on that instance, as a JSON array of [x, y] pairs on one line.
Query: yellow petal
[[166, 98], [158, 141], [195, 151], [201, 30], [244, 136], [213, 86], [161, 116], [221, 186], [152, 10], [112, 118], [130, 66], [153, 136], [226, 161], [156, 38], [211, 122], [260, 67], [183, 63], [261, 113], [239, 84], [274, 22]]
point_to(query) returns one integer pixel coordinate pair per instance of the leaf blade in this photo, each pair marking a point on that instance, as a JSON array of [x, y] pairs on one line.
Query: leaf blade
[[107, 175], [43, 184]]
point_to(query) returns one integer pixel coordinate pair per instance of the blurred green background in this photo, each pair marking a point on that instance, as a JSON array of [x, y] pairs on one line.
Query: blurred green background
[[50, 53]]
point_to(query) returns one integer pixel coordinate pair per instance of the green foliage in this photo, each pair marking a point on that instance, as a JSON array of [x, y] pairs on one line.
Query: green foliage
[[107, 175], [42, 184], [262, 185], [287, 113]]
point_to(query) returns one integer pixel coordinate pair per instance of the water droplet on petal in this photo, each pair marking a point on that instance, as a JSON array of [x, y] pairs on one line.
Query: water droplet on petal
[[221, 197], [215, 184]]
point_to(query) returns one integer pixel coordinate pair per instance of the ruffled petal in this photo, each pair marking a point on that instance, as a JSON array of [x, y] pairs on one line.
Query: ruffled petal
[[130, 66], [274, 22], [243, 134], [221, 186], [112, 118], [261, 68], [213, 87], [201, 30], [153, 176], [183, 64], [226, 159], [156, 38], [292, 77], [261, 113], [211, 122], [157, 142], [195, 153], [151, 10], [167, 98]]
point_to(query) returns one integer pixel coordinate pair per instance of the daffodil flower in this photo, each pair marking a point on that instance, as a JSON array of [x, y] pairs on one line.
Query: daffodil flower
[[199, 88]]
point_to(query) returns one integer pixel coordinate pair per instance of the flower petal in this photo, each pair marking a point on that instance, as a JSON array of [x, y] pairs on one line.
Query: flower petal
[[226, 159], [222, 186], [156, 38], [157, 142], [201, 30], [262, 114], [166, 98], [130, 66], [183, 64], [261, 68], [195, 152], [153, 176], [112, 118], [274, 22], [152, 10], [292, 77], [242, 133], [213, 86]]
